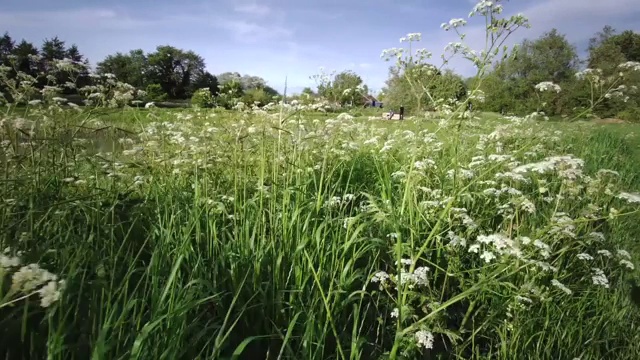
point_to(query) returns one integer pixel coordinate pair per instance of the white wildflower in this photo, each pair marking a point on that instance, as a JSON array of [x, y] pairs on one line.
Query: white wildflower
[[628, 264], [395, 313], [50, 293], [547, 86], [420, 274], [487, 256], [599, 278], [630, 198], [605, 253], [424, 339], [561, 286], [624, 253], [380, 277], [406, 262], [585, 257]]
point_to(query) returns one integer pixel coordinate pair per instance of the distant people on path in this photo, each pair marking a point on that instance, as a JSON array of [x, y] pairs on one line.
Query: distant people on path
[[391, 113], [401, 112]]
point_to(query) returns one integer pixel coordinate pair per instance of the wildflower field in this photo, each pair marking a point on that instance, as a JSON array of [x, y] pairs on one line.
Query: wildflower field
[[317, 231], [211, 234]]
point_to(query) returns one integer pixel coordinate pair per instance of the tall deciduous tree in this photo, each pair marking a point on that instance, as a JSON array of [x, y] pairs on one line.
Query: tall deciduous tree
[[131, 68], [344, 87], [206, 80], [549, 58], [420, 87], [607, 50], [175, 70]]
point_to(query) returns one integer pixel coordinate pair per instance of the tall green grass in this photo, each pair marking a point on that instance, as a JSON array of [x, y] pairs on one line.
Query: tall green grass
[[249, 238]]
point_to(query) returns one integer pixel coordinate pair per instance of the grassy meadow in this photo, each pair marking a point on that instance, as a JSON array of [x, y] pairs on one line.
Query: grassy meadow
[[209, 234]]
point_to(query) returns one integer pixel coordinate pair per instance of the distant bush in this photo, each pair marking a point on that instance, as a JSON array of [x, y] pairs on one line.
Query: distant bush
[[632, 115], [202, 98], [155, 93]]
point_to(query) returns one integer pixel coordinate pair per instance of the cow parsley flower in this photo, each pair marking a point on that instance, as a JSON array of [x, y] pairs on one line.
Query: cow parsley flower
[[585, 257], [630, 198], [424, 339], [547, 86], [628, 264], [380, 277], [599, 278], [561, 286]]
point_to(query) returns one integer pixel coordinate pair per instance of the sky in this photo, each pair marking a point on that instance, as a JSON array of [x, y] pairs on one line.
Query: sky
[[292, 39]]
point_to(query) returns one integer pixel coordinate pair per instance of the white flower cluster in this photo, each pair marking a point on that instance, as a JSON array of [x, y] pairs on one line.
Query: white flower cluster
[[417, 277], [548, 86], [411, 37], [453, 23], [30, 279], [630, 65]]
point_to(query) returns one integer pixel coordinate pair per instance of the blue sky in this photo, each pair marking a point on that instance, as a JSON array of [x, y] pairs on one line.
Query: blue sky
[[275, 39]]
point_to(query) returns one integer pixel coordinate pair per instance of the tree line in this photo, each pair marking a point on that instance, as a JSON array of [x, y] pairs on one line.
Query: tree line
[[594, 85], [168, 73]]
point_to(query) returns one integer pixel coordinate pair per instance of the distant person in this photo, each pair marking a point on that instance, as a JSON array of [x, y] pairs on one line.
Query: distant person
[[373, 103], [391, 113], [401, 112]]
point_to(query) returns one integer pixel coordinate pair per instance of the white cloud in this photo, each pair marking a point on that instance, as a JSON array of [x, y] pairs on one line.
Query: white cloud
[[84, 18], [252, 32], [253, 9]]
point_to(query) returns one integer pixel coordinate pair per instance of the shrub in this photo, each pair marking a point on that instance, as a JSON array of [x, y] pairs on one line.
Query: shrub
[[202, 98], [632, 115], [155, 93]]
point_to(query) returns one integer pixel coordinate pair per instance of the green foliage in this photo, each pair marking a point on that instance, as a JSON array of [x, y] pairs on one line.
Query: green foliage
[[549, 58], [202, 98], [422, 88], [345, 87], [631, 115], [230, 94], [600, 90], [155, 93], [207, 80], [175, 70], [235, 236], [256, 96], [131, 68]]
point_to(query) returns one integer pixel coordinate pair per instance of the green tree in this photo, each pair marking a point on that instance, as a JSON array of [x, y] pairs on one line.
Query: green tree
[[175, 70], [607, 50], [26, 54], [343, 87], [7, 45], [206, 80], [155, 93], [53, 49], [421, 87], [227, 77], [202, 98], [230, 93], [271, 92], [131, 68], [549, 58], [256, 96]]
